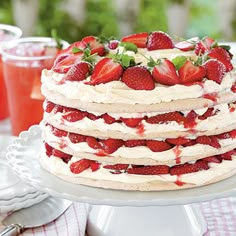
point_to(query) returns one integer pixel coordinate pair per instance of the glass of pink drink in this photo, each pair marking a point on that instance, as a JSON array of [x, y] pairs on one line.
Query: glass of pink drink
[[23, 61], [7, 33]]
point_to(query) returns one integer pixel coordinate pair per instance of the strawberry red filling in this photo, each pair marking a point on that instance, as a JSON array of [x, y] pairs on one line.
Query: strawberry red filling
[[105, 147], [189, 120], [84, 164]]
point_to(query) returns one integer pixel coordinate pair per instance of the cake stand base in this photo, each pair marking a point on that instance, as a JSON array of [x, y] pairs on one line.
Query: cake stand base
[[184, 220]]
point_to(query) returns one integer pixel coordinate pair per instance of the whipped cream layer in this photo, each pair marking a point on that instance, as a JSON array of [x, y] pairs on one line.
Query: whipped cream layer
[[116, 92], [223, 119], [57, 166], [140, 152]]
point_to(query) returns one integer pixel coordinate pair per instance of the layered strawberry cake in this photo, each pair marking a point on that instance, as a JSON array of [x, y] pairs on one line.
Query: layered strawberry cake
[[141, 113]]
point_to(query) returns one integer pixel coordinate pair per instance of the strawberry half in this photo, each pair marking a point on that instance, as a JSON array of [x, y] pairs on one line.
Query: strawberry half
[[149, 170], [106, 70], [177, 141], [138, 78], [79, 166], [207, 140], [140, 39], [108, 119], [117, 166], [187, 45], [189, 168], [190, 73], [135, 143], [93, 143], [78, 72], [159, 40], [74, 116], [69, 49], [170, 116], [215, 70], [77, 138], [131, 122], [64, 156], [158, 146], [165, 73], [204, 45], [95, 45], [111, 145]]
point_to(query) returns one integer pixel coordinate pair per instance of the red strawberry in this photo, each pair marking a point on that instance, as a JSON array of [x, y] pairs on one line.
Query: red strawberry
[[93, 143], [94, 165], [117, 167], [215, 70], [177, 141], [165, 73], [227, 155], [111, 145], [233, 133], [213, 159], [108, 119], [77, 138], [189, 168], [57, 153], [170, 116], [48, 149], [69, 49], [187, 45], [138, 78], [159, 40], [225, 135], [206, 140], [49, 106], [149, 170], [208, 113], [223, 56], [140, 39], [78, 72], [91, 116], [60, 58], [58, 132], [131, 122], [74, 116], [106, 70], [190, 143], [158, 146], [64, 65], [135, 143], [214, 142], [204, 45], [189, 73], [190, 120], [113, 44], [95, 45], [58, 108], [79, 166]]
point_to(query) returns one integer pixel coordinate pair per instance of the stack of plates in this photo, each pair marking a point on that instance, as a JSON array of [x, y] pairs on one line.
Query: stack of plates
[[14, 193]]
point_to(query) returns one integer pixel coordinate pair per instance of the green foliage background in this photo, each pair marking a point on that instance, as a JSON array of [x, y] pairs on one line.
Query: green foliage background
[[101, 18]]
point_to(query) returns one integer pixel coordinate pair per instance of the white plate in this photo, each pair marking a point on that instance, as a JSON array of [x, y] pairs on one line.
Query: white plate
[[11, 186], [23, 158]]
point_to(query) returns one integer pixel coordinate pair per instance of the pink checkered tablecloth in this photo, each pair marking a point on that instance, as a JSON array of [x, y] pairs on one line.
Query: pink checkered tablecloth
[[219, 214]]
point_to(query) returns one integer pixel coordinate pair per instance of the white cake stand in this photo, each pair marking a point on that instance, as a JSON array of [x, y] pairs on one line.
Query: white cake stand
[[123, 213]]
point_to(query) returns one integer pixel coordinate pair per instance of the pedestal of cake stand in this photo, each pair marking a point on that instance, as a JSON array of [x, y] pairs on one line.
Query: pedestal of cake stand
[[184, 220]]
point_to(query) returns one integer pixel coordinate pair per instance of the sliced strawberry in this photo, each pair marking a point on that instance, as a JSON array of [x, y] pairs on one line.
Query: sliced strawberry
[[225, 135], [117, 167], [190, 73], [95, 45], [78, 72], [159, 40], [158, 146], [49, 106], [131, 122], [215, 70], [111, 145], [57, 153], [213, 159], [233, 133], [74, 116], [108, 119], [208, 113], [77, 138], [94, 165], [138, 78], [170, 116], [189, 168], [60, 58], [204, 45], [93, 143], [69, 50], [227, 155], [58, 132], [91, 116], [223, 56], [177, 141], [48, 149], [113, 44], [149, 170], [215, 142], [79, 166], [165, 73], [106, 70], [207, 140], [64, 65], [187, 45], [140, 39], [58, 108], [135, 143], [190, 143], [190, 120]]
